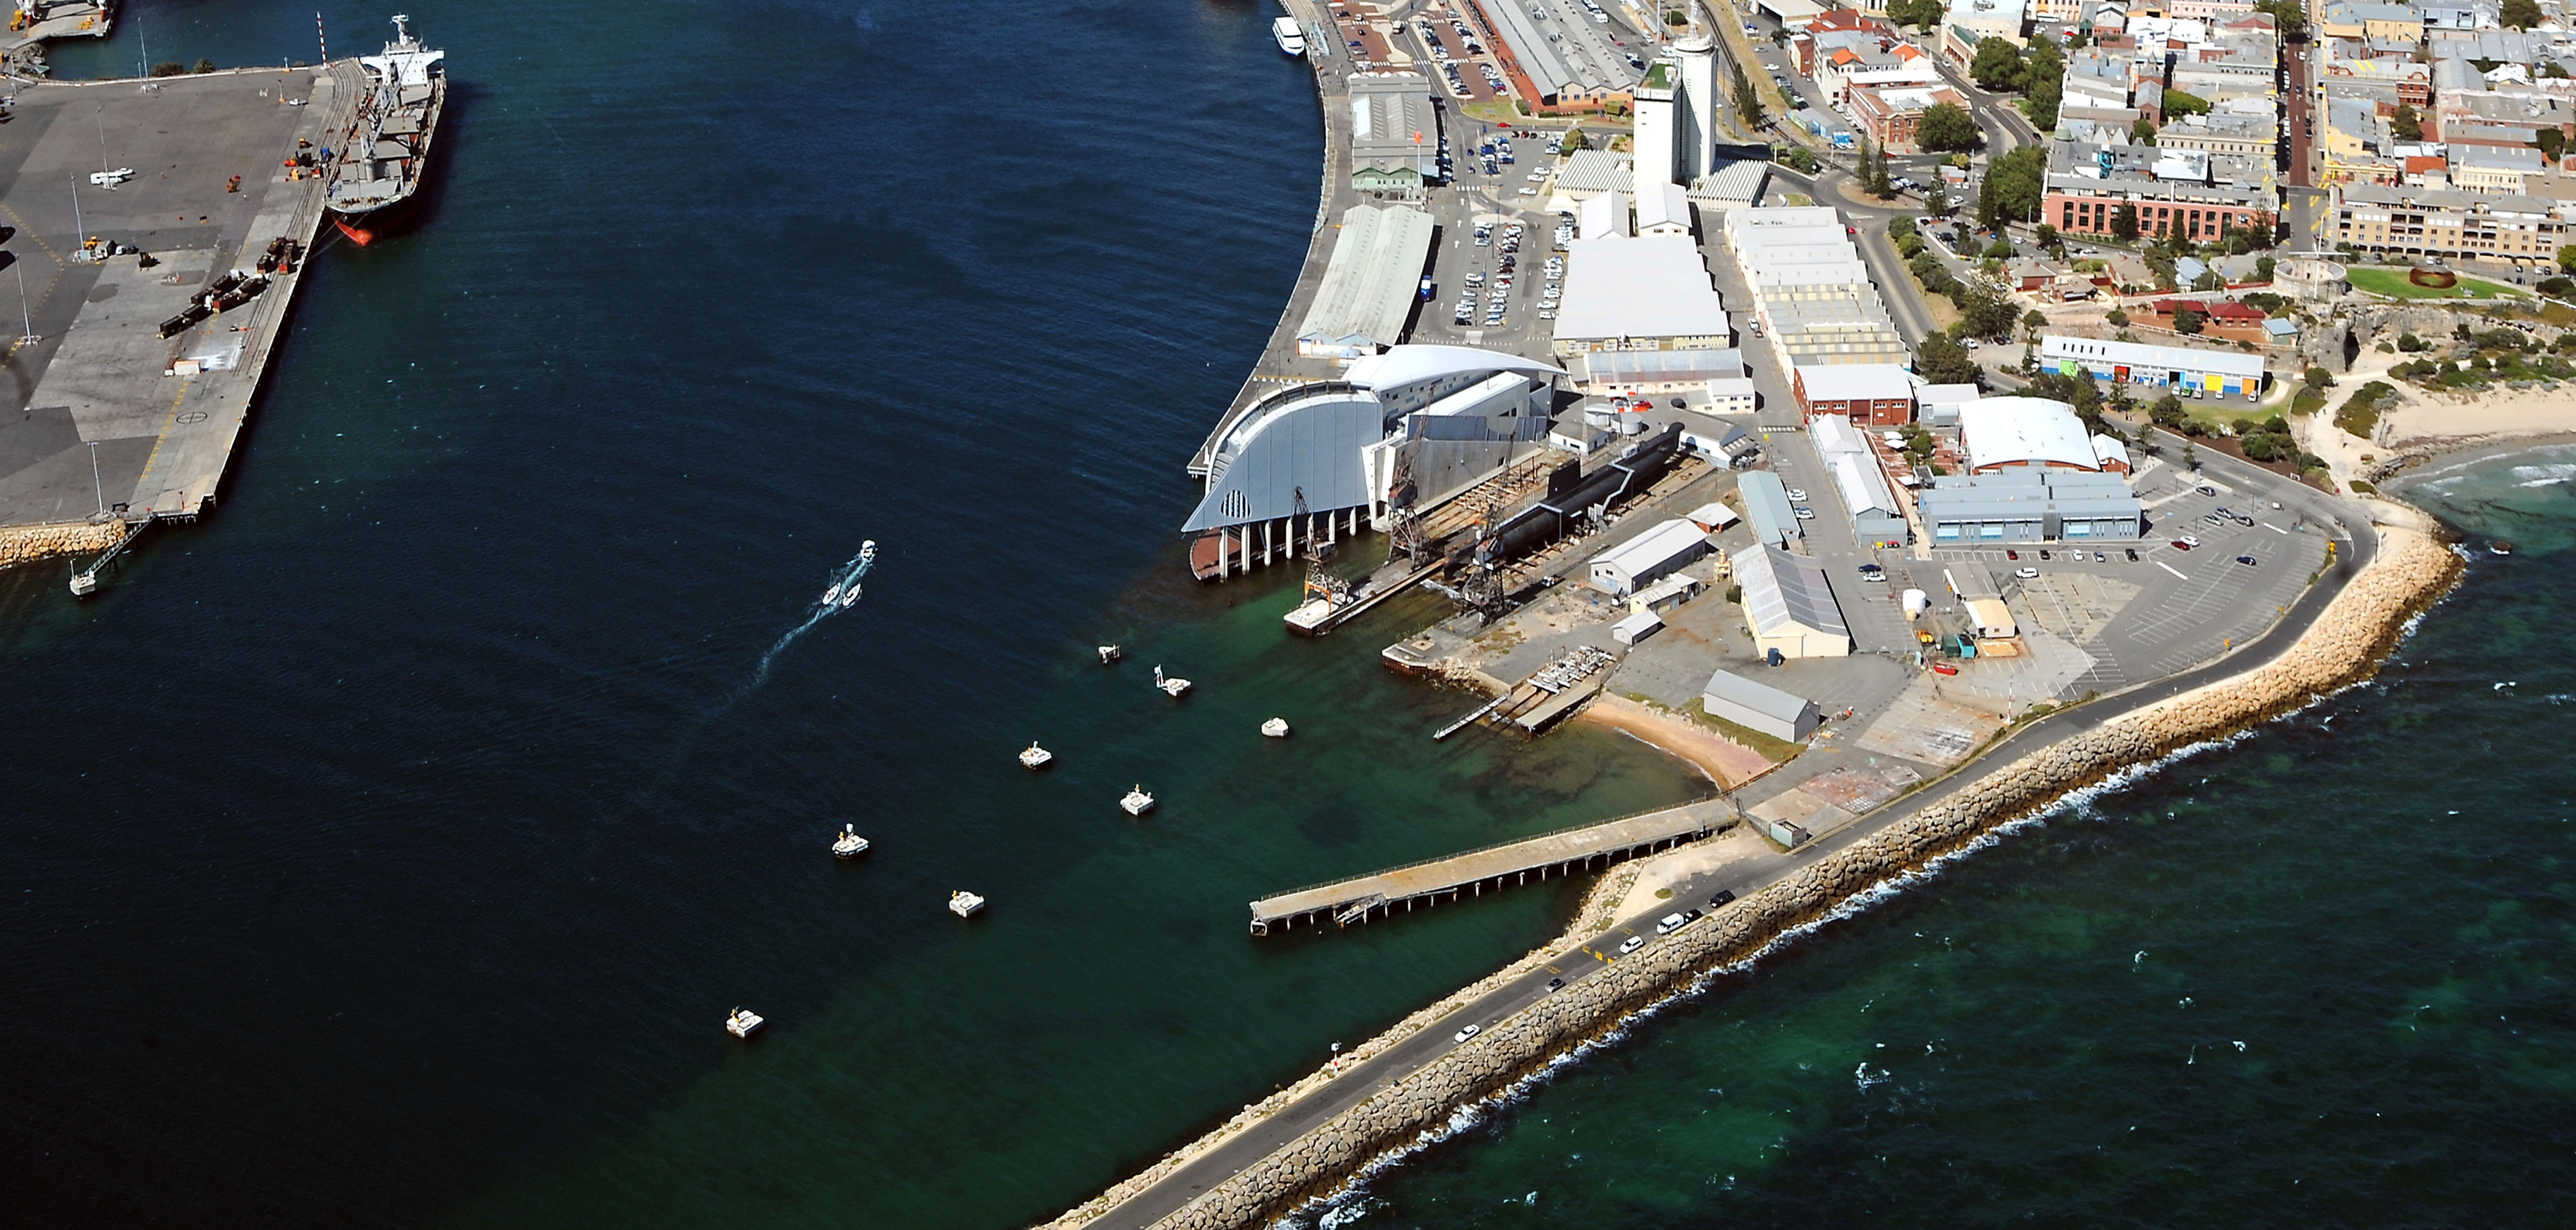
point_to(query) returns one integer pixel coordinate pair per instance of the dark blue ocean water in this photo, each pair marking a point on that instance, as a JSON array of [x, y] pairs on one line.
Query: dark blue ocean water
[[387, 850]]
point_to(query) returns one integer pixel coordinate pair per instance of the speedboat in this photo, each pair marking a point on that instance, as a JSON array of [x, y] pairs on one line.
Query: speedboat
[[1108, 654], [1172, 686], [1137, 801], [832, 596], [1276, 728], [1036, 757], [964, 904], [867, 551], [742, 1022], [849, 844]]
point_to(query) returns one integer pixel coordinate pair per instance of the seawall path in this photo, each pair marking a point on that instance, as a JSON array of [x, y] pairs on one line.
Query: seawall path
[[1393, 1091]]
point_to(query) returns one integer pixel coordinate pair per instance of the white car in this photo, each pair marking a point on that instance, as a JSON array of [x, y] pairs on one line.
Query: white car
[[1469, 1032], [1631, 944], [1804, 513], [1797, 495], [2026, 574], [1669, 924], [2188, 540]]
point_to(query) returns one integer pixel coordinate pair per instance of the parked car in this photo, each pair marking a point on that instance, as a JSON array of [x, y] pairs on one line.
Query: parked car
[[2009, 553], [1797, 495], [1469, 1032], [2133, 555], [2190, 540], [1944, 668], [1804, 513], [2026, 574], [1722, 897], [1631, 944], [2180, 545], [2248, 560], [1669, 924]]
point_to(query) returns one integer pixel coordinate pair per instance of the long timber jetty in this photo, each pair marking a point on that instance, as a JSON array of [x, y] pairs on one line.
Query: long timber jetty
[[1507, 864], [117, 384]]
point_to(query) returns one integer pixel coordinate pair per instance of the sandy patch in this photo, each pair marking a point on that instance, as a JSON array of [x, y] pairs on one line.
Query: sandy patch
[[1727, 763]]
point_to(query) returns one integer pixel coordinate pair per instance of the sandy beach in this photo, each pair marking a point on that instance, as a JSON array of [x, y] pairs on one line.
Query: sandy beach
[[1728, 764]]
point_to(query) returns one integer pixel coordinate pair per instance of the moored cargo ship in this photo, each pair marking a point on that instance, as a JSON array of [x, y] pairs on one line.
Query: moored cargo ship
[[384, 153]]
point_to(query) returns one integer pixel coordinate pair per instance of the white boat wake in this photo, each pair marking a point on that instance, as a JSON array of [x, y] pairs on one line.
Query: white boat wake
[[843, 591]]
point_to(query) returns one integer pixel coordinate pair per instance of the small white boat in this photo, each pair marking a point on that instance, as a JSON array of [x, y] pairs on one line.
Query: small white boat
[[1285, 32], [1276, 728], [964, 904], [1108, 654], [742, 1022], [832, 596], [1137, 801], [849, 844], [867, 551], [1172, 686], [1036, 757]]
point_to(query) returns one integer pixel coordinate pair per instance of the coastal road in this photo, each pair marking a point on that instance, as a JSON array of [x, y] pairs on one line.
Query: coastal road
[[2354, 551]]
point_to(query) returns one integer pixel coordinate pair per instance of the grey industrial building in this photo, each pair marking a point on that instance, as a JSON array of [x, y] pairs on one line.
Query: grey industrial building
[[1370, 282], [2032, 505], [1766, 504], [1759, 706], [1395, 132]]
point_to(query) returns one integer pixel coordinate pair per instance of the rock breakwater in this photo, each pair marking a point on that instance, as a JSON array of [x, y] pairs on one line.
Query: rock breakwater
[[2343, 646], [24, 543]]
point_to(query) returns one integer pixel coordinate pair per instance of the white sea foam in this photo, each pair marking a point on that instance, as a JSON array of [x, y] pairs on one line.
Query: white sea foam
[[2543, 476]]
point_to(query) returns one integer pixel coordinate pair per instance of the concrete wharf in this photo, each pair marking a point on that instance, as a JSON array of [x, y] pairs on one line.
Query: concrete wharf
[[1500, 866], [152, 421]]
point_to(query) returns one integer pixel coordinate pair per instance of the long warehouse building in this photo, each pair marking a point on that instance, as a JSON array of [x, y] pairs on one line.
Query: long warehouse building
[[1370, 282]]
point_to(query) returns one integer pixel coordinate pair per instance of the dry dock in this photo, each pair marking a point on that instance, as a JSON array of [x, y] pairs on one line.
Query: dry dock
[[103, 425], [1509, 863]]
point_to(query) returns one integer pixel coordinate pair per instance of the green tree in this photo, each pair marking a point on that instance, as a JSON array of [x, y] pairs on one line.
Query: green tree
[[1947, 126], [2407, 124], [1997, 65], [2209, 279], [2187, 321], [2045, 236], [2124, 222], [1942, 361], [2119, 319], [1985, 307], [2032, 322], [203, 66], [2143, 132], [2567, 258], [2264, 267], [2000, 249], [2518, 14], [1574, 140], [2013, 186], [169, 68], [2550, 142], [2167, 412], [2179, 104], [1936, 198], [1873, 176], [1748, 105]]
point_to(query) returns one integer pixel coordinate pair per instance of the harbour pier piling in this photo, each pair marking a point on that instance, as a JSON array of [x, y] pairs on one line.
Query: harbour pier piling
[[1504, 865]]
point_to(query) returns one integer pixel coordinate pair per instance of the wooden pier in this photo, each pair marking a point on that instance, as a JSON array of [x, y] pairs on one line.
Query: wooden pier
[[1506, 865]]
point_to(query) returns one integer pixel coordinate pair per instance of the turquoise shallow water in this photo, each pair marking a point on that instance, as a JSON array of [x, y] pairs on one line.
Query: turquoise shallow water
[[2319, 975]]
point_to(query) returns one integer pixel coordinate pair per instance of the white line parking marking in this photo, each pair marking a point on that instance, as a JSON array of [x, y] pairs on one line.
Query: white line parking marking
[[2169, 568], [2276, 529]]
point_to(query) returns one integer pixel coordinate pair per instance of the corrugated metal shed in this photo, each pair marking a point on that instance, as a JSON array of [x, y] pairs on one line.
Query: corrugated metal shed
[[1758, 705], [1766, 501], [1369, 281], [1790, 606]]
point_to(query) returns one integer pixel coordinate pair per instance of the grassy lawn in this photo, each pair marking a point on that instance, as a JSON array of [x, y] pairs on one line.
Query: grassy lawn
[[2393, 282]]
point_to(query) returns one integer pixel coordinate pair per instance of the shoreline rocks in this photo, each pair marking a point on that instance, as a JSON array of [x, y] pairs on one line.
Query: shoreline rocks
[[28, 543], [2343, 647]]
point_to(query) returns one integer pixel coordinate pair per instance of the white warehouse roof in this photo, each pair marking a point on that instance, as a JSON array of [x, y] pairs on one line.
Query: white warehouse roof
[[2152, 358], [1856, 381], [1652, 286], [2003, 431], [1370, 280]]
